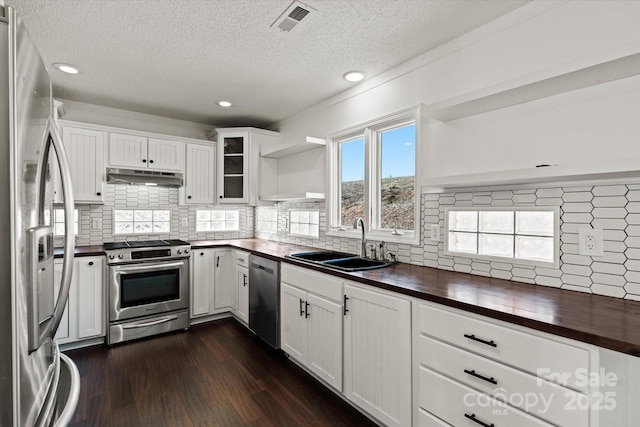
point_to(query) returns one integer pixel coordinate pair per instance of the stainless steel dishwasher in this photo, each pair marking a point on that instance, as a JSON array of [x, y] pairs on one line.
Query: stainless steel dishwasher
[[264, 299]]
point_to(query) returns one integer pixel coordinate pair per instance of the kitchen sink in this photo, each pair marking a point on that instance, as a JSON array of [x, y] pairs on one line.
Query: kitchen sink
[[356, 264], [321, 255], [339, 260]]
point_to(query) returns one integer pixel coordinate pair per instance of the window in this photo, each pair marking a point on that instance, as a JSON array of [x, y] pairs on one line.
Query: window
[[267, 219], [525, 235], [141, 221], [217, 220], [58, 221], [304, 222], [374, 176]]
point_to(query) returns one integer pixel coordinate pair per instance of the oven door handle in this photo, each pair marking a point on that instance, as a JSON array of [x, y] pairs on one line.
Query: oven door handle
[[152, 323], [147, 267]]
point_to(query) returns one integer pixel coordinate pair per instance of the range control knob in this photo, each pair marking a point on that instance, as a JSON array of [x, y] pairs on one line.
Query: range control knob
[[186, 251], [111, 256], [179, 251], [120, 256]]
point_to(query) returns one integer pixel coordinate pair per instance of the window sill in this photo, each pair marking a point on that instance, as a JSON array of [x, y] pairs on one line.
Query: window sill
[[408, 238]]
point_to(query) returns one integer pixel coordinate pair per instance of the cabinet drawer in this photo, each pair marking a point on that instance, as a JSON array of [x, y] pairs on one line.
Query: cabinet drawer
[[540, 356], [242, 259], [542, 398], [425, 419], [460, 405], [311, 281]]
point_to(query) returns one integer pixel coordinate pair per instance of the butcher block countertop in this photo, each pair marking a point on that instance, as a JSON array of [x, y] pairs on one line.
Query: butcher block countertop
[[607, 322]]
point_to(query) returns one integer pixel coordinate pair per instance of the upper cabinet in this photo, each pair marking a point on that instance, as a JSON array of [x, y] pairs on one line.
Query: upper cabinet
[[242, 176], [140, 152], [199, 183], [85, 152]]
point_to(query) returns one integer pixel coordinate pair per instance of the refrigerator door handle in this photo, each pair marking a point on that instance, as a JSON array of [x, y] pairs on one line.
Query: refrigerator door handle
[[69, 239], [41, 328]]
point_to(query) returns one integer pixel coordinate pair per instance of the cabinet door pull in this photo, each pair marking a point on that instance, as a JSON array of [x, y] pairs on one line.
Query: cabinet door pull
[[144, 160], [98, 194], [473, 373], [473, 337], [90, 262], [188, 197], [201, 253], [306, 309], [473, 418], [218, 261], [344, 306], [301, 309], [245, 279], [150, 161]]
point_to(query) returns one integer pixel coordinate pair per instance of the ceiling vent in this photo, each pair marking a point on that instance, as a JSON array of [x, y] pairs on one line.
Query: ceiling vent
[[292, 16]]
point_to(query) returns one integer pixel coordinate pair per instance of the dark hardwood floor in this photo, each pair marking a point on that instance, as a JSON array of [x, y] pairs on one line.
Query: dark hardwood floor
[[216, 374]]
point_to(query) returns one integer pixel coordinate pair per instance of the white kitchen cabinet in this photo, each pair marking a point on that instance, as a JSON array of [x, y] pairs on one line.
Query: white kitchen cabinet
[[202, 276], [85, 152], [84, 316], [212, 281], [141, 152], [200, 174], [225, 283], [242, 175], [377, 354], [311, 322], [241, 309], [457, 351]]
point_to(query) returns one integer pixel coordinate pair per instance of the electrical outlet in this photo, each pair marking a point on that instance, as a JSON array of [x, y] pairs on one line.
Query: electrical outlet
[[184, 222], [96, 223], [435, 233], [590, 242]]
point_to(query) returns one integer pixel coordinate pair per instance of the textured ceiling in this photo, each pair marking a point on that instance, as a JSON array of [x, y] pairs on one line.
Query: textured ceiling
[[176, 58]]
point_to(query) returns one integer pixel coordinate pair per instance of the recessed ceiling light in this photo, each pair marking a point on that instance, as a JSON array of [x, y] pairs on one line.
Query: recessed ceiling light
[[66, 68], [225, 104], [354, 76]]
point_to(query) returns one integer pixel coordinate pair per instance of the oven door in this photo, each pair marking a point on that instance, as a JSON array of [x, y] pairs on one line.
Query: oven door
[[143, 289]]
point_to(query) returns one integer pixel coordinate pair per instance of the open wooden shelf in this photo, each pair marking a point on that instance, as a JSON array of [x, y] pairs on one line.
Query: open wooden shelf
[[528, 89], [294, 197], [278, 152], [619, 169]]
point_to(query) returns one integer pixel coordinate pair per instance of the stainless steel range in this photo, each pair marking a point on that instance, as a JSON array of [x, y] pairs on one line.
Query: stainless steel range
[[148, 286]]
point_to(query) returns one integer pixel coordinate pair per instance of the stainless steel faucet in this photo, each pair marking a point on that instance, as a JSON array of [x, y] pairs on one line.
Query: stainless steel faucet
[[363, 242]]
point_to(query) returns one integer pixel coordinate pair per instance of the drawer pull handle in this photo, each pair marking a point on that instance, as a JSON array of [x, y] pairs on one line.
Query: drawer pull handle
[[473, 373], [473, 418], [473, 337]]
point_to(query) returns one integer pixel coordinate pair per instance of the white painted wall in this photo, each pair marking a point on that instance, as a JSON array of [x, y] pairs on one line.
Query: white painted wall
[[99, 115], [590, 125]]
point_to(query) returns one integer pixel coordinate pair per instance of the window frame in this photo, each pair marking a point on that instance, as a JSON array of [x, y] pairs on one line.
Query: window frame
[[513, 260], [226, 230], [370, 131]]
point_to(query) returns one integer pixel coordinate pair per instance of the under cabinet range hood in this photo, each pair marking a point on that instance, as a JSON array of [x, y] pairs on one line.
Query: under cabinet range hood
[[144, 177]]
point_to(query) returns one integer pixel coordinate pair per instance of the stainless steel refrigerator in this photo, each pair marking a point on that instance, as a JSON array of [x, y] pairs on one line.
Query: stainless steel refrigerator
[[38, 385]]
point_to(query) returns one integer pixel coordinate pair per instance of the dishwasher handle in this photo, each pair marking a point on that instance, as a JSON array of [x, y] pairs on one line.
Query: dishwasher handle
[[263, 268]]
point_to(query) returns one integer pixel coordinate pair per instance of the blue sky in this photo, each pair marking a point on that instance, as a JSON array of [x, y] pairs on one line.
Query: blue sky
[[398, 148]]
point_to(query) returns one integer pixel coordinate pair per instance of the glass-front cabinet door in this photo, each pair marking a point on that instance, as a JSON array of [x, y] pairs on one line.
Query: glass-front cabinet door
[[233, 158]]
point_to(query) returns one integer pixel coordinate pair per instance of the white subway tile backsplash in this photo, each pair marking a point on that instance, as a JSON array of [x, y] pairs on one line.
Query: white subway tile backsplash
[[586, 206], [609, 190]]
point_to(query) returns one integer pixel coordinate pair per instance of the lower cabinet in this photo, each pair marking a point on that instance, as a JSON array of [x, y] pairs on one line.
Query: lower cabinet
[[84, 316], [311, 322], [473, 370], [212, 281], [377, 354], [241, 309]]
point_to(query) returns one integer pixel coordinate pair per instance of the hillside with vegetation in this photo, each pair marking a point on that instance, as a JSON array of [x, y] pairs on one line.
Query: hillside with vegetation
[[397, 201]]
